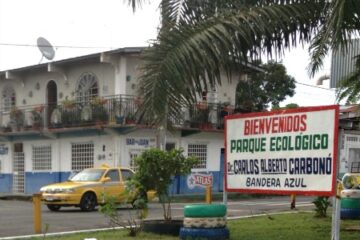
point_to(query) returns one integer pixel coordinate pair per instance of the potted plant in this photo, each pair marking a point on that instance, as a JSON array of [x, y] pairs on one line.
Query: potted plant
[[130, 118], [156, 171], [225, 110], [201, 116], [68, 104], [56, 118], [99, 113], [37, 116], [70, 114], [118, 111], [17, 118]]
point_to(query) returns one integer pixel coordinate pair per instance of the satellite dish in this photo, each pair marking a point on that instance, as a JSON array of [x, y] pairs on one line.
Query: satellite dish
[[45, 48]]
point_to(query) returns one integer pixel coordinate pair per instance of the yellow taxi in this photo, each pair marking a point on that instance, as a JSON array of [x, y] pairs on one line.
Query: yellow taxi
[[88, 188]]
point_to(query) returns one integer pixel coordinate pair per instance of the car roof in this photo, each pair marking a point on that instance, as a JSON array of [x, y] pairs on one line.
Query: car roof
[[105, 166]]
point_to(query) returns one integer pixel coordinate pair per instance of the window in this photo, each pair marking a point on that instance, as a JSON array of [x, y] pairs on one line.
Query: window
[[354, 159], [352, 139], [41, 158], [88, 175], [18, 147], [169, 146], [199, 151], [126, 174], [87, 88], [8, 98], [82, 156], [113, 174]]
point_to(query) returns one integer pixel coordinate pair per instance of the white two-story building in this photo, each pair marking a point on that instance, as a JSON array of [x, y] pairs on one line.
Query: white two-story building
[[76, 113]]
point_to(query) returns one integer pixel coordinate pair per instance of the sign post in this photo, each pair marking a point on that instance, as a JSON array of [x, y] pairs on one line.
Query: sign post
[[335, 223]]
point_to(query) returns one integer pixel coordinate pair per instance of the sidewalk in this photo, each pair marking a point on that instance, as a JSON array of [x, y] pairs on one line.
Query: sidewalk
[[17, 196]]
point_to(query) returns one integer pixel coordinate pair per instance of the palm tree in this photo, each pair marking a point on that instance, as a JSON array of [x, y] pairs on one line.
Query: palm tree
[[349, 87], [342, 23], [200, 39]]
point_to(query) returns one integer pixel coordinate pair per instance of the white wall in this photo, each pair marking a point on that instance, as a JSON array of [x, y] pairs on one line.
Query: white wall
[[61, 151], [6, 163], [348, 140], [214, 141]]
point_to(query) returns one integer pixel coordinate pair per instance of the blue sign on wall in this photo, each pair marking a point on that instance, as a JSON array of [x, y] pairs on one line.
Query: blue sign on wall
[[4, 149]]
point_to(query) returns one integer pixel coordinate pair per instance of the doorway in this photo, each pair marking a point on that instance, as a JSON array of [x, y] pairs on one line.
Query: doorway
[[18, 169], [51, 93]]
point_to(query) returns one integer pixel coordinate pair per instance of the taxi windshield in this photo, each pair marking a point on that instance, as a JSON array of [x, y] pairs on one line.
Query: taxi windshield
[[88, 175]]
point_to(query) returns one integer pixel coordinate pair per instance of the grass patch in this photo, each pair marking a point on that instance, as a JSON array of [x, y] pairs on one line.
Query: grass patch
[[110, 235], [297, 226]]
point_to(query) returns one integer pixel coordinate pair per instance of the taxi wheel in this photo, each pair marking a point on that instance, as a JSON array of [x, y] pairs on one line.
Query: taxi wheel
[[88, 202], [53, 208]]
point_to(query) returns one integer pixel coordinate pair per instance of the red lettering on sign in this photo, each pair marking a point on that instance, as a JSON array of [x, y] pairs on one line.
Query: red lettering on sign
[[292, 123]]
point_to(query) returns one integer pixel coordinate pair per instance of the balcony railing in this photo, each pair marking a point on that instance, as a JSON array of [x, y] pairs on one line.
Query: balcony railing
[[119, 110]]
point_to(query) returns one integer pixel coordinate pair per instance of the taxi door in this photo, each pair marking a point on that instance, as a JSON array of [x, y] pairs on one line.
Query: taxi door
[[115, 186]]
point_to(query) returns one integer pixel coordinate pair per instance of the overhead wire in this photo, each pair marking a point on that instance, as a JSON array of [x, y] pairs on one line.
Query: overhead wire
[[309, 85], [55, 46]]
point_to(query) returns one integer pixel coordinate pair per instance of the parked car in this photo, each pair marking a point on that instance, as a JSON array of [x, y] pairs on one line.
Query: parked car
[[88, 188]]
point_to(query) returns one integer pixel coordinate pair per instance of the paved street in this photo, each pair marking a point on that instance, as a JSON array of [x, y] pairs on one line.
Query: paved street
[[16, 217]]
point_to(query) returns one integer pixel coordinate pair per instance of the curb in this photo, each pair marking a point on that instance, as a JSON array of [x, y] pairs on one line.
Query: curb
[[19, 197]]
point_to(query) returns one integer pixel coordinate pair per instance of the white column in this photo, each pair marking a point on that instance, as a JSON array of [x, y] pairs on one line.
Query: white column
[[120, 76]]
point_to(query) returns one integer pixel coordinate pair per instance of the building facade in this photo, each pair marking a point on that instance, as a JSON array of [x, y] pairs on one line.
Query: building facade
[[64, 116]]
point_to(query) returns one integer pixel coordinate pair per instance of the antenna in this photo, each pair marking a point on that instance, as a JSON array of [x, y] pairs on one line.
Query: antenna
[[45, 48]]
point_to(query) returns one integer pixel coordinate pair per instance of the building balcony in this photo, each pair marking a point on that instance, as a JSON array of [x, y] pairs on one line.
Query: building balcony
[[120, 111]]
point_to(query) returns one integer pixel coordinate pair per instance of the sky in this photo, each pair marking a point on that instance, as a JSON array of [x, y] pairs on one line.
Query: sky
[[90, 26]]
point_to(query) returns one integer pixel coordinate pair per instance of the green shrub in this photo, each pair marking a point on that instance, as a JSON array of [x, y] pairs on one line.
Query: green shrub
[[321, 206], [156, 171], [132, 221]]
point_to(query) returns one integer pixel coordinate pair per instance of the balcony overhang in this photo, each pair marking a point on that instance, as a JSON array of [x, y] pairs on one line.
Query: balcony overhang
[[13, 76], [22, 136], [108, 58], [51, 67]]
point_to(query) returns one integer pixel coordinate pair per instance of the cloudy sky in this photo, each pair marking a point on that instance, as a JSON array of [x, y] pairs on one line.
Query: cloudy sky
[[87, 26]]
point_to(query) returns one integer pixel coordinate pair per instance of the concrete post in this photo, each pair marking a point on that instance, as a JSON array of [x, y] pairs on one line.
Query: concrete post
[[208, 197]]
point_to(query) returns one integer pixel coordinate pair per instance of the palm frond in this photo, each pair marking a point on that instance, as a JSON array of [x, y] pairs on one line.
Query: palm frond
[[135, 4], [349, 87], [190, 58], [339, 25]]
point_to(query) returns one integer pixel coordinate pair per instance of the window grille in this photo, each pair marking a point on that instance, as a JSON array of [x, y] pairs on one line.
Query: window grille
[[355, 167], [18, 172], [199, 151], [41, 158], [82, 156], [87, 88], [8, 98], [352, 139]]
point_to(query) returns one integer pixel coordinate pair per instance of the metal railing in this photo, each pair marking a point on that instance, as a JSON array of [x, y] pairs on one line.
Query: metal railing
[[109, 110]]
